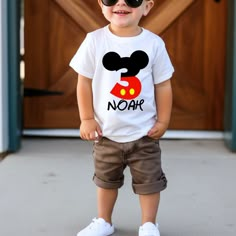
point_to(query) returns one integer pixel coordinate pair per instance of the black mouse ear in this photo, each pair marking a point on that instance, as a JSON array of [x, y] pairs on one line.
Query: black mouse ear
[[140, 58], [111, 61]]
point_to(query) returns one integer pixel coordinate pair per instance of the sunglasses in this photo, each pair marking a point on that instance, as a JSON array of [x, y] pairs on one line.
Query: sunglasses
[[130, 3]]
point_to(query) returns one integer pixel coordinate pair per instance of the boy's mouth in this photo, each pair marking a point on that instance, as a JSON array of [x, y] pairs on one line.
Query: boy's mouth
[[121, 12]]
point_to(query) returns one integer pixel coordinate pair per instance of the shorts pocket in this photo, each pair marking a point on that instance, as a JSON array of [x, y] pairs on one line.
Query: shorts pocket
[[148, 139]]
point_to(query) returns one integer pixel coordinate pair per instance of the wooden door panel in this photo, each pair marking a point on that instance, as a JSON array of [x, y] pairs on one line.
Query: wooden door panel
[[198, 49], [164, 14], [55, 28], [186, 46]]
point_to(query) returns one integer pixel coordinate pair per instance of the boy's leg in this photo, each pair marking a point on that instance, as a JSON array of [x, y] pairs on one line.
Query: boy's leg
[[106, 202], [149, 205]]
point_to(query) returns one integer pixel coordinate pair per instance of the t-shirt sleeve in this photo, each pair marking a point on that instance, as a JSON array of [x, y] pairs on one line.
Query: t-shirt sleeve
[[162, 67], [83, 62]]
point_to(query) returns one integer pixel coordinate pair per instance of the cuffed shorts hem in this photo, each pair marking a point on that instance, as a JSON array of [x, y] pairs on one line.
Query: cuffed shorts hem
[[107, 185], [150, 188]]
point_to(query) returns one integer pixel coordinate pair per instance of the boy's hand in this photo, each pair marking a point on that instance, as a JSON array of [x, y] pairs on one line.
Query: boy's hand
[[157, 130], [90, 130]]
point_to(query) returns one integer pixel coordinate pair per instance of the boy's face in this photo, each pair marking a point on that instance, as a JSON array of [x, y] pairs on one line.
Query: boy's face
[[122, 16]]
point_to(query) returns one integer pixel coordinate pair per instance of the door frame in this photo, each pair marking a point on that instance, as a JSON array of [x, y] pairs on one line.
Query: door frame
[[3, 80], [14, 81], [230, 91]]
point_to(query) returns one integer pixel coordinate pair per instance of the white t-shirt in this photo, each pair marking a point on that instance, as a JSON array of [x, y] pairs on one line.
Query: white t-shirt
[[123, 72]]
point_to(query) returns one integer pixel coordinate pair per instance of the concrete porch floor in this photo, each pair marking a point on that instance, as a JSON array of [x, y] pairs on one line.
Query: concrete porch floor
[[46, 190]]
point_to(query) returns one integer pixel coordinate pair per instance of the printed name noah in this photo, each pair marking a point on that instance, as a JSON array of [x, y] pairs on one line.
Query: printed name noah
[[126, 105]]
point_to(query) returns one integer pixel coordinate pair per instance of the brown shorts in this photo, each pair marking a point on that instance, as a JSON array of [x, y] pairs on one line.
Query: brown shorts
[[143, 157]]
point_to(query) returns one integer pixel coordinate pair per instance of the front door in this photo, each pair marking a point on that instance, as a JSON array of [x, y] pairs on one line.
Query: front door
[[195, 35]]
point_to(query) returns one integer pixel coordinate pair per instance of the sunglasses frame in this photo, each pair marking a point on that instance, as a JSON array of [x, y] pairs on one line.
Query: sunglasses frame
[[126, 1]]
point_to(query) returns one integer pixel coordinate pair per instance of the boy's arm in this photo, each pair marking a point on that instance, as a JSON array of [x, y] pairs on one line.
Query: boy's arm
[[163, 95], [89, 125]]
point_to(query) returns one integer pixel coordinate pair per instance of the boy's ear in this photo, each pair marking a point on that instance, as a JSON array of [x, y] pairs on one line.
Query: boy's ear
[[148, 6], [100, 3]]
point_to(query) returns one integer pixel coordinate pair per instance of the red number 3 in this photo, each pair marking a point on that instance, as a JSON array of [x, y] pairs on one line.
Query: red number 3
[[127, 92]]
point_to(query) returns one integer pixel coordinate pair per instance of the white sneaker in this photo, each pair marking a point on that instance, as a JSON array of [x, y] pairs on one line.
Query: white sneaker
[[149, 229], [98, 227]]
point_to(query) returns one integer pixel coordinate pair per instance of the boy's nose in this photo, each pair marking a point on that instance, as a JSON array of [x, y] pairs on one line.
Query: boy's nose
[[121, 2]]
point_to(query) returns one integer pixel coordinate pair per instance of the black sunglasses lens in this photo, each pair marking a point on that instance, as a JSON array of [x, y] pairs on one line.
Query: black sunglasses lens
[[134, 3], [109, 2], [130, 3]]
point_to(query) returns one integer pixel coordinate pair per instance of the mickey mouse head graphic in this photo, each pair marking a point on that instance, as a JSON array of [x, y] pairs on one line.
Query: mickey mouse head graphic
[[137, 61]]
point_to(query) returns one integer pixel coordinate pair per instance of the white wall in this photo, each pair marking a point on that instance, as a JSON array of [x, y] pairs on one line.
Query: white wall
[[3, 78]]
